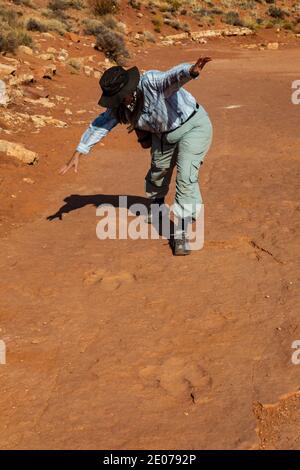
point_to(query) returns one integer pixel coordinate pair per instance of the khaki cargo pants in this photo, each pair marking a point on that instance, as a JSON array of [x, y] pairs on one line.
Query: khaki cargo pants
[[184, 148]]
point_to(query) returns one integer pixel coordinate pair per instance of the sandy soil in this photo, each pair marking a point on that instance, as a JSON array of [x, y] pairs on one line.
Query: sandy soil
[[117, 344]]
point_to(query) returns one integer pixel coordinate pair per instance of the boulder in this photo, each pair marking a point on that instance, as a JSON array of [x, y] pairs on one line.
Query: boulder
[[23, 79], [18, 151], [41, 121], [3, 94], [6, 71], [48, 71], [25, 50], [46, 56], [41, 101], [72, 37]]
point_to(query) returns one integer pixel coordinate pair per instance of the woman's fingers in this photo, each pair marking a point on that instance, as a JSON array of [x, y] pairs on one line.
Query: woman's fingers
[[73, 162], [76, 162], [63, 170]]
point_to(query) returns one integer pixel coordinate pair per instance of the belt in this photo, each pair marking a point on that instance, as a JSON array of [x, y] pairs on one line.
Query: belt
[[193, 114]]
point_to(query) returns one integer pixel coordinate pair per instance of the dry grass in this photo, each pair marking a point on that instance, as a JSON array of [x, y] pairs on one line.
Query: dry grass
[[44, 25], [12, 32], [104, 7], [112, 44]]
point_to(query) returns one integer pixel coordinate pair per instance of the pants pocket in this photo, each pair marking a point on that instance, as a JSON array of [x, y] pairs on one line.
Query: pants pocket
[[195, 165]]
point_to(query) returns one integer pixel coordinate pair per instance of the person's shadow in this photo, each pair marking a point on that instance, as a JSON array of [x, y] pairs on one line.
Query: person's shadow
[[77, 201]]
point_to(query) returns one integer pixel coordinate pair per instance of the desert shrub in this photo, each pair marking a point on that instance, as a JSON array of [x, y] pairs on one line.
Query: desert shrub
[[111, 22], [34, 24], [94, 27], [74, 63], [112, 44], [62, 5], [276, 12], [174, 4], [76, 4], [57, 26], [27, 3], [11, 40], [38, 24], [216, 11], [251, 23], [56, 5], [149, 36], [104, 7], [233, 18], [288, 26], [178, 25], [135, 4], [12, 32], [58, 19], [157, 23]]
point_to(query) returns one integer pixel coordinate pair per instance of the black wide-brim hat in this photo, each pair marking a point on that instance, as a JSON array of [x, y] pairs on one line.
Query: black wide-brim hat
[[116, 83]]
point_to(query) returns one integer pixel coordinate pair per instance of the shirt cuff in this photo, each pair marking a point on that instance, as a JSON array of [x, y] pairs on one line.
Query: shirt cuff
[[82, 148], [194, 75]]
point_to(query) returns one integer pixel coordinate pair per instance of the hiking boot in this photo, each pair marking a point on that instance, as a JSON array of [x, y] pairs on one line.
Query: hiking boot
[[180, 246]]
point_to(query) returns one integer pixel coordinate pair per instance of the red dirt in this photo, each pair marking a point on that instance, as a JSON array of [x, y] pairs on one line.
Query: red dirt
[[162, 352]]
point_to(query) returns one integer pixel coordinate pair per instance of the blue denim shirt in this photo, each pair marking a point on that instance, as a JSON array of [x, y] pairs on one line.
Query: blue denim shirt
[[166, 106]]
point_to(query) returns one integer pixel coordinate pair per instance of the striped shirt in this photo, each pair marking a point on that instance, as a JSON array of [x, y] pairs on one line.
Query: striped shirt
[[166, 106]]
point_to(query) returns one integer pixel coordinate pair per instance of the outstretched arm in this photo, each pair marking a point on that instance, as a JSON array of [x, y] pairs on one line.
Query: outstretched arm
[[96, 131], [170, 81]]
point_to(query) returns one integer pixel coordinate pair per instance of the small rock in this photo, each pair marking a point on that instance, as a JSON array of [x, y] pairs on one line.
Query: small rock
[[47, 71], [72, 37], [140, 15], [51, 50], [46, 56], [48, 35], [88, 70], [68, 111], [250, 46], [28, 180], [63, 55], [41, 121], [12, 60], [3, 94], [272, 46], [36, 93], [18, 151], [6, 70], [42, 101], [25, 50]]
